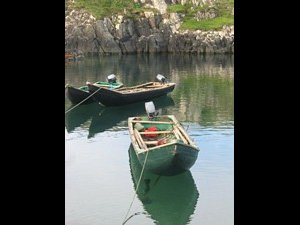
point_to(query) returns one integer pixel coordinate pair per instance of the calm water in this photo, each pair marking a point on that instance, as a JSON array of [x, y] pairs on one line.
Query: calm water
[[100, 170]]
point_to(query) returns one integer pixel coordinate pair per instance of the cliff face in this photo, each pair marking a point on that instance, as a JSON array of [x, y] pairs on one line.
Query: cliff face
[[148, 33]]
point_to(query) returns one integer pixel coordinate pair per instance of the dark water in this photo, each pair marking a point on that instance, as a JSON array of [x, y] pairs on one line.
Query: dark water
[[101, 172]]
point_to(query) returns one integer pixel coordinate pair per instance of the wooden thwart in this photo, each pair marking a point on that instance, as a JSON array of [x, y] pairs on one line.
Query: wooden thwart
[[150, 142], [157, 132], [152, 122]]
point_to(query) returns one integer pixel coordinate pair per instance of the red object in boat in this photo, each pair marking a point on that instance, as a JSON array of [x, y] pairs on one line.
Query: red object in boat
[[151, 129]]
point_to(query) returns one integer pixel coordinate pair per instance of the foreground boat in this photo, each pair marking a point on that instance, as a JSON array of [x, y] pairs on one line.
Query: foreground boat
[[81, 94], [115, 118], [166, 199], [128, 95], [162, 144]]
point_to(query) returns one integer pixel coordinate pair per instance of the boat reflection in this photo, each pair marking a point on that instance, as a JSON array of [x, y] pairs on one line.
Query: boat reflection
[[105, 118], [116, 117], [79, 115], [169, 200]]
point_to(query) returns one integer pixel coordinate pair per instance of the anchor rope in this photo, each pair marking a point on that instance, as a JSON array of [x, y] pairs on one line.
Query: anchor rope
[[82, 101], [137, 187]]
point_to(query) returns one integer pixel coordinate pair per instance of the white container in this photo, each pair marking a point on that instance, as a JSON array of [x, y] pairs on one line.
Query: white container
[[160, 78], [111, 78], [150, 109]]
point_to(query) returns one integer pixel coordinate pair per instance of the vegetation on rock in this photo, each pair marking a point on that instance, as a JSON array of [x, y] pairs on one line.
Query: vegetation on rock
[[215, 16]]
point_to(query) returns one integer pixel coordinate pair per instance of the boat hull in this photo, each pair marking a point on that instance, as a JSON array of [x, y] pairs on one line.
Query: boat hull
[[167, 199], [76, 95], [109, 97], [169, 160]]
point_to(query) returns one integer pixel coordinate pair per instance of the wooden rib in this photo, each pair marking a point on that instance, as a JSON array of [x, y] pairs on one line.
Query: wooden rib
[[176, 134], [181, 136], [184, 134], [140, 139], [154, 122], [157, 132]]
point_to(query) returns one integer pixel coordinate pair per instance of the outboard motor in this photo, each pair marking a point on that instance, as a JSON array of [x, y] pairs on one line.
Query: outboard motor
[[161, 78], [111, 78], [150, 109]]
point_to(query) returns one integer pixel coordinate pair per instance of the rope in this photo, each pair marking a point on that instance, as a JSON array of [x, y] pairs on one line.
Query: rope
[[135, 214], [137, 187], [82, 101]]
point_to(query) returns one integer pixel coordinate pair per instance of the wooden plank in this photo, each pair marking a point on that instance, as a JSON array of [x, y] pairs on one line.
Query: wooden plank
[[140, 139], [180, 135], [164, 145], [150, 142], [184, 134], [176, 134], [157, 132], [133, 87], [154, 122]]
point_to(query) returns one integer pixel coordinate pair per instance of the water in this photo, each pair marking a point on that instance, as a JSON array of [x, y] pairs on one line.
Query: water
[[100, 170]]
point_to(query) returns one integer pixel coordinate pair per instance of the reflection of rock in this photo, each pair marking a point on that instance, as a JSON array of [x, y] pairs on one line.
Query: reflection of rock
[[167, 199]]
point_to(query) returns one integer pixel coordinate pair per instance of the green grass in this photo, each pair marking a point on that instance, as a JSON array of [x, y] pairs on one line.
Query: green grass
[[209, 24], [224, 10], [103, 8], [177, 8]]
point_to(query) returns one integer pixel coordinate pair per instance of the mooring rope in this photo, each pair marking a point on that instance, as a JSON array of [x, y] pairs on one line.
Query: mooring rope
[[82, 101], [135, 214], [137, 187]]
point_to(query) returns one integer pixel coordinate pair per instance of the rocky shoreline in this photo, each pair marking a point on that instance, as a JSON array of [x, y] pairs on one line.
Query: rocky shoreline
[[148, 33]]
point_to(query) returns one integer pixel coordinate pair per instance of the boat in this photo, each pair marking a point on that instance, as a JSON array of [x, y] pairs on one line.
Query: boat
[[161, 143], [115, 118], [165, 199], [82, 94], [128, 95]]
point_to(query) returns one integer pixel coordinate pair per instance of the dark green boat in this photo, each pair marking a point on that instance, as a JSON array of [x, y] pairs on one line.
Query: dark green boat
[[169, 200], [163, 143], [81, 94]]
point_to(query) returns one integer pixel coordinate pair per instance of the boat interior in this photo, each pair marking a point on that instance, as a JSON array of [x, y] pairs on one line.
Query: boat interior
[[155, 134]]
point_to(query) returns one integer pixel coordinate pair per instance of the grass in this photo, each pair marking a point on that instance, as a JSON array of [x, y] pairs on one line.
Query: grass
[[103, 8], [209, 24], [177, 8], [223, 8]]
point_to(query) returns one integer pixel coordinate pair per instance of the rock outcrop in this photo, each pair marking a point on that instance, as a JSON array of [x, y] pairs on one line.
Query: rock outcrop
[[149, 33]]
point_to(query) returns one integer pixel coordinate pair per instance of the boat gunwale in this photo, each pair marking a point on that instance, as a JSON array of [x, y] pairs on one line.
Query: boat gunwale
[[123, 90], [175, 124]]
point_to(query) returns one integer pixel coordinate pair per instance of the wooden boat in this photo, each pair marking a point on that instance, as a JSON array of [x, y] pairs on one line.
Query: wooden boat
[[166, 199], [108, 118], [163, 143], [128, 95], [77, 95]]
